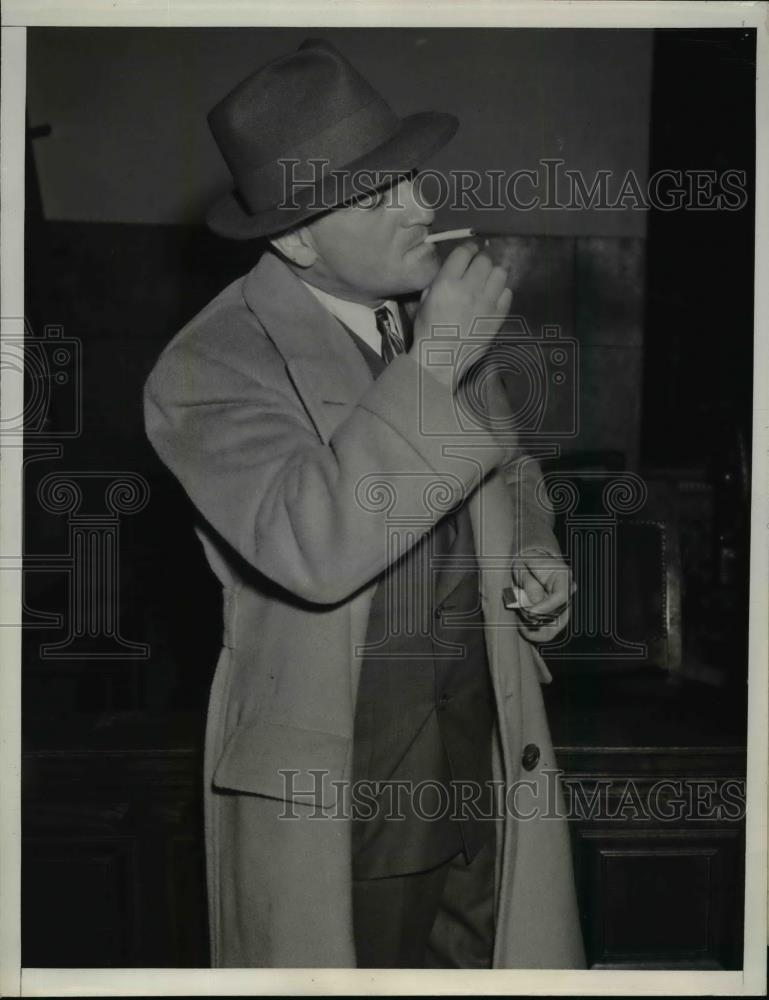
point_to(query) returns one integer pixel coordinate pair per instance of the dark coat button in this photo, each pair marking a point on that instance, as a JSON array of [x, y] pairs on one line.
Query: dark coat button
[[530, 757], [443, 701]]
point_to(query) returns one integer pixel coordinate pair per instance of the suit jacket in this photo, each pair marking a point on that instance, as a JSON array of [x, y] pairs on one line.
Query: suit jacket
[[299, 464], [425, 707]]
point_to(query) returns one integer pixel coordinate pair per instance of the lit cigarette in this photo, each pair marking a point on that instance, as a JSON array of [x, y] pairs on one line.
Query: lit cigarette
[[450, 234]]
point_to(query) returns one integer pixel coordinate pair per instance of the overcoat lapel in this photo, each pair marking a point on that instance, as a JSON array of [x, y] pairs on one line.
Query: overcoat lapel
[[328, 372]]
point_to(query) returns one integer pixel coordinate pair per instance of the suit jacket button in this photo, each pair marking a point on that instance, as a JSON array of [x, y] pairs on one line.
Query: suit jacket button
[[530, 757], [443, 702]]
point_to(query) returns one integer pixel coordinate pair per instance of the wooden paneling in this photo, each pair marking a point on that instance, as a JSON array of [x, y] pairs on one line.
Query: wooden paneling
[[113, 863], [662, 899], [654, 782], [80, 901], [113, 859]]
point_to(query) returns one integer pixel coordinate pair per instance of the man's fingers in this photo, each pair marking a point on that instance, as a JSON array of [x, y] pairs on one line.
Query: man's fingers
[[535, 592], [548, 586], [555, 579], [495, 284], [544, 633], [502, 307], [458, 260], [530, 585], [558, 593], [478, 271], [546, 609]]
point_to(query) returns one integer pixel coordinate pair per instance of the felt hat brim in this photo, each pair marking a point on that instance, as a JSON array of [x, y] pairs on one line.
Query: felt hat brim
[[419, 137]]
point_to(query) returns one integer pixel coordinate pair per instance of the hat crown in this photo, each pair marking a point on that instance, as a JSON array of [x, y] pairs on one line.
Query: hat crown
[[285, 103]]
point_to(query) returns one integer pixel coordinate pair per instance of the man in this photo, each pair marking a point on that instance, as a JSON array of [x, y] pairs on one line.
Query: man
[[363, 540]]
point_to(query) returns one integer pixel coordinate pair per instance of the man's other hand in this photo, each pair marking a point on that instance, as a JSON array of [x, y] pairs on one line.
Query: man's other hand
[[544, 587]]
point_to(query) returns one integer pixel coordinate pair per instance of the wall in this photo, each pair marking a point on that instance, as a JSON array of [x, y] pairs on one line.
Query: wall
[[130, 143]]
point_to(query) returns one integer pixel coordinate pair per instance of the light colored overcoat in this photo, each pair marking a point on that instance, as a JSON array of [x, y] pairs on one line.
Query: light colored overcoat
[[306, 471]]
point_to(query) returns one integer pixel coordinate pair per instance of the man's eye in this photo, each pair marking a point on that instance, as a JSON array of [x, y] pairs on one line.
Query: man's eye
[[371, 200]]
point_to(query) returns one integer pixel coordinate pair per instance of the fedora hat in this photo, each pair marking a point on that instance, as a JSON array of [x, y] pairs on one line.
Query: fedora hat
[[305, 133]]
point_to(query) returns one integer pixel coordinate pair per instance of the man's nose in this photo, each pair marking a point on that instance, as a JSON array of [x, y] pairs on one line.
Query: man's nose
[[416, 212]]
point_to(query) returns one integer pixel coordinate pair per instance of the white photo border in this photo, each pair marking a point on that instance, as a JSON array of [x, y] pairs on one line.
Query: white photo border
[[15, 981]]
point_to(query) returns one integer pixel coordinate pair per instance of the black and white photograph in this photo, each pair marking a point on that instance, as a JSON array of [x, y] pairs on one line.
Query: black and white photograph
[[383, 542]]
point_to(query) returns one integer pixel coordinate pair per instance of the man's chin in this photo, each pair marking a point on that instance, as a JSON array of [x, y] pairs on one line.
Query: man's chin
[[416, 274], [422, 272]]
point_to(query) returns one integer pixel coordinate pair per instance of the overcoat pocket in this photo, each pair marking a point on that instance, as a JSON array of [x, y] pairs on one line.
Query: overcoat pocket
[[284, 762]]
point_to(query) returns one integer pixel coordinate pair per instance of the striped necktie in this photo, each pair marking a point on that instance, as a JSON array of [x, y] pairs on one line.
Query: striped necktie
[[392, 342]]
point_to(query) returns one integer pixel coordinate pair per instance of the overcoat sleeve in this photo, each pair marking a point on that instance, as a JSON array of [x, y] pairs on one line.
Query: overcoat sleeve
[[533, 512], [288, 503]]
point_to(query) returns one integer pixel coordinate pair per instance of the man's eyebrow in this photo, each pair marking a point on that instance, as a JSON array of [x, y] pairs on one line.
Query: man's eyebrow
[[365, 199], [368, 199], [374, 196]]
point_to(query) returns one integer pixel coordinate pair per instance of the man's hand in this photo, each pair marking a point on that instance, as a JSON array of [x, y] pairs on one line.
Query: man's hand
[[467, 287], [543, 584]]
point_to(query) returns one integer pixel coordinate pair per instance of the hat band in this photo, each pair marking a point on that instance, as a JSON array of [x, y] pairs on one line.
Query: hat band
[[291, 180]]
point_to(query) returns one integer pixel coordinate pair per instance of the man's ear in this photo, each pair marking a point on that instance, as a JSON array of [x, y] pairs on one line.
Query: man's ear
[[296, 246]]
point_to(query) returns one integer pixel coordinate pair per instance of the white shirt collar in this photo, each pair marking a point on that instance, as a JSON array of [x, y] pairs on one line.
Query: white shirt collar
[[358, 317]]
